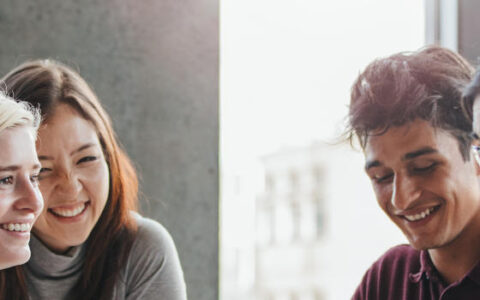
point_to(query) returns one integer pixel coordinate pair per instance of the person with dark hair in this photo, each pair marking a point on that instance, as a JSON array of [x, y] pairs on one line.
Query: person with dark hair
[[88, 243], [405, 111], [470, 104]]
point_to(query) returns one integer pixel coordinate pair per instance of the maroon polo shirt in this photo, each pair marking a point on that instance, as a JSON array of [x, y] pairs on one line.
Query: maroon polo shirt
[[405, 273]]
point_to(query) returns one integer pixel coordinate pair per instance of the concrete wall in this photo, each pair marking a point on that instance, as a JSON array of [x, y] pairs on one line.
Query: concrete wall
[[154, 64], [469, 30], [454, 24]]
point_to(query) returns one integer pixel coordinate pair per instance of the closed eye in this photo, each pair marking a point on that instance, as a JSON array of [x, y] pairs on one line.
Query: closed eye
[[87, 159], [42, 170], [425, 169], [34, 179], [43, 173], [383, 179]]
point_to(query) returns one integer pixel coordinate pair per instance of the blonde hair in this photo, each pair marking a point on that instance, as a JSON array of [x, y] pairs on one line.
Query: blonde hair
[[13, 114]]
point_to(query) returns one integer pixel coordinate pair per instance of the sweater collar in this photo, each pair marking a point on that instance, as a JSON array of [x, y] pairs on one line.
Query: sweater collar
[[46, 263]]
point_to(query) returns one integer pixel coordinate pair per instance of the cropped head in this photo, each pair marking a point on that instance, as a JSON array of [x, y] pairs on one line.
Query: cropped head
[[18, 114], [471, 103], [20, 198], [87, 181], [405, 110]]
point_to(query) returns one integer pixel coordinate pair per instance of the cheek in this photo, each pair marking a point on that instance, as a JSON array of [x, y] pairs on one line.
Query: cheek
[[99, 184], [383, 195], [46, 187], [462, 184], [4, 207], [40, 198]]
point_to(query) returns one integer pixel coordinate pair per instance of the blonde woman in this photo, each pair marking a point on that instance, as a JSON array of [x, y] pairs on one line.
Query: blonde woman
[[20, 198]]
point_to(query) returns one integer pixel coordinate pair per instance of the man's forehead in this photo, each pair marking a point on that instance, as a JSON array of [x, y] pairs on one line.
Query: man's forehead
[[399, 142], [411, 131]]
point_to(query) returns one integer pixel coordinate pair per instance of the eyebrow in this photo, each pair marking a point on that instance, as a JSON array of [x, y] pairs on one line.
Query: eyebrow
[[423, 151], [408, 156], [79, 149], [16, 168]]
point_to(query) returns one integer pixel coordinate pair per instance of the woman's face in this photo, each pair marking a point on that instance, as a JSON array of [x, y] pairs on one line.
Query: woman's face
[[74, 179], [20, 199]]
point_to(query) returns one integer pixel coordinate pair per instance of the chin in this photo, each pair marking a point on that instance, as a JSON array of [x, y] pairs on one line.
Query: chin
[[419, 247], [423, 245], [418, 244], [77, 240], [18, 258]]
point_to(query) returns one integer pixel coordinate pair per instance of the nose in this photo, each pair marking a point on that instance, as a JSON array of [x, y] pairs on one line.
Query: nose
[[29, 196], [405, 192], [69, 185]]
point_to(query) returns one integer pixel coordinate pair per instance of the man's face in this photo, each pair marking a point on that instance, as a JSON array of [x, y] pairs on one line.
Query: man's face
[[423, 184]]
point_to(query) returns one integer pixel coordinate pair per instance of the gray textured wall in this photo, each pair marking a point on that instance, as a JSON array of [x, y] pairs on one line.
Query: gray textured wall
[[469, 29], [154, 64]]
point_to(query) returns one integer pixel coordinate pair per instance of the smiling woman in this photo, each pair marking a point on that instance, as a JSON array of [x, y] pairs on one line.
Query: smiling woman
[[89, 243], [20, 198], [74, 178]]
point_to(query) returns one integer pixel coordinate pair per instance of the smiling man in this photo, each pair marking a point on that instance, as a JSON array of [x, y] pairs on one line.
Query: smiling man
[[405, 112]]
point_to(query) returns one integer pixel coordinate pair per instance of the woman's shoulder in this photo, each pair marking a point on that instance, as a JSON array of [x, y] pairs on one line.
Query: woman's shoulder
[[151, 235], [153, 266]]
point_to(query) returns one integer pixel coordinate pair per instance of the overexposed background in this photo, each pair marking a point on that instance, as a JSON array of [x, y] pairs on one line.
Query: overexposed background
[[286, 71]]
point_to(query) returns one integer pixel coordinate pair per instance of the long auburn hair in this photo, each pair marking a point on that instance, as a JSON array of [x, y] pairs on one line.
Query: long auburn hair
[[46, 84]]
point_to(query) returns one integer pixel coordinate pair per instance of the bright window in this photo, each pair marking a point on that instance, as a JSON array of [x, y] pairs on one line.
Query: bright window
[[286, 72]]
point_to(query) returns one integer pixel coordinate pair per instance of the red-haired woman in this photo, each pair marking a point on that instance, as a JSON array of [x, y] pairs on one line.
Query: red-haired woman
[[88, 242]]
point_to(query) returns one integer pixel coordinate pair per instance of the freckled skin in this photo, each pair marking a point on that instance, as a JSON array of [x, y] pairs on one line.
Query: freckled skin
[[74, 170]]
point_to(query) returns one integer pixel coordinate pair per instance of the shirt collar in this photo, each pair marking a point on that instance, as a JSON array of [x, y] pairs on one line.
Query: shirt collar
[[474, 273], [427, 269]]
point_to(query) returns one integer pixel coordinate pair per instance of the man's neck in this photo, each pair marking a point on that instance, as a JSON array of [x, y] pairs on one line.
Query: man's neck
[[455, 260]]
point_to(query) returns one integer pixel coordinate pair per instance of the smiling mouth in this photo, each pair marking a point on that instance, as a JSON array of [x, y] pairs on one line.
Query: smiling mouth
[[18, 227], [421, 215], [70, 212]]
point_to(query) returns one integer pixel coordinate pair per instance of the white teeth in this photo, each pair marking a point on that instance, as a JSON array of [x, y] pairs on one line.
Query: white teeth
[[69, 212], [17, 227], [419, 216]]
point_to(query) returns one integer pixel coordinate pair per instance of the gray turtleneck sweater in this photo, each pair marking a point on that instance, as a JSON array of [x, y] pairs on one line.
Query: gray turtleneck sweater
[[152, 270]]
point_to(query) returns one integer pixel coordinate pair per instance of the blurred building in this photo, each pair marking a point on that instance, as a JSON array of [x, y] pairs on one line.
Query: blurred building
[[303, 224], [290, 220]]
